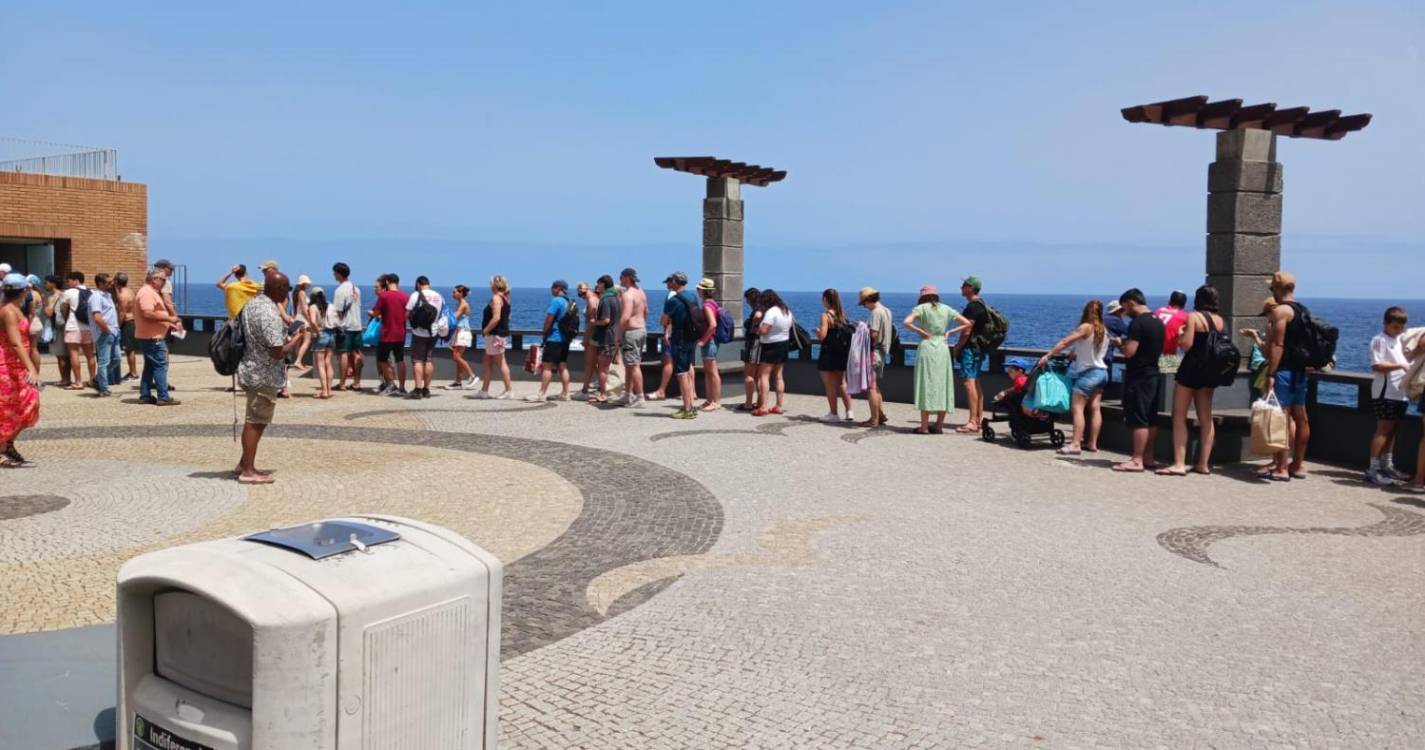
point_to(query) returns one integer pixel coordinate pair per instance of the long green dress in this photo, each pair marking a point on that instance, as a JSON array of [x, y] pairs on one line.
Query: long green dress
[[934, 372]]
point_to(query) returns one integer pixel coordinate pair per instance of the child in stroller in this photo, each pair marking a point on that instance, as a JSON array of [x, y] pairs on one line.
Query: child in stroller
[[1009, 406]]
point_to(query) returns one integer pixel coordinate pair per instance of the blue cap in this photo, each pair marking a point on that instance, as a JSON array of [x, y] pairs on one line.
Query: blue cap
[[34, 281], [1019, 362], [15, 281]]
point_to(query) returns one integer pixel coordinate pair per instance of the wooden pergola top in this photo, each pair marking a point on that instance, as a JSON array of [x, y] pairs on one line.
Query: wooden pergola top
[[711, 166], [1229, 114]]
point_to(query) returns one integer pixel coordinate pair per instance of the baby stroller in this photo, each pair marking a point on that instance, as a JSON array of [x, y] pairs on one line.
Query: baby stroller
[[1023, 428]]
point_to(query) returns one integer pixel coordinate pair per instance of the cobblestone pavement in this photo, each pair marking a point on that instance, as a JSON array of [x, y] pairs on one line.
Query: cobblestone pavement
[[898, 592]]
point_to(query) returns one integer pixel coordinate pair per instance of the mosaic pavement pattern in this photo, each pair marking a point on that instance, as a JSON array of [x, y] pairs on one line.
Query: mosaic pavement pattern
[[738, 583]]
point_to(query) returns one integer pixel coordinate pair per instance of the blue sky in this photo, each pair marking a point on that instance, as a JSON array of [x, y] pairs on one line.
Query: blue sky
[[923, 140]]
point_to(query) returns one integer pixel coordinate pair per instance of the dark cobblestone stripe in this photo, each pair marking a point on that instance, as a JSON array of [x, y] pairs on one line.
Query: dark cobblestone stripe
[[1192, 542], [24, 506], [692, 433], [388, 412], [633, 510]]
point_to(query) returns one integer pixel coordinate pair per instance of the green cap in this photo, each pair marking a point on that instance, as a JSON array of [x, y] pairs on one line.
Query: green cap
[[971, 281]]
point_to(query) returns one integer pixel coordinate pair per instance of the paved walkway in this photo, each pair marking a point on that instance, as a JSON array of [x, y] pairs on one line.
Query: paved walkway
[[734, 582]]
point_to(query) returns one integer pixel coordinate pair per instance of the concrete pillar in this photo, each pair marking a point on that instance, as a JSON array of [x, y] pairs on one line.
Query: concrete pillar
[[722, 242], [1244, 223]]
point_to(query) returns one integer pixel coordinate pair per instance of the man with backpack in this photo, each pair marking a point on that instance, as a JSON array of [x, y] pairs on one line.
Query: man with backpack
[[263, 369], [423, 309], [561, 324], [1295, 342], [686, 322], [984, 336], [78, 338]]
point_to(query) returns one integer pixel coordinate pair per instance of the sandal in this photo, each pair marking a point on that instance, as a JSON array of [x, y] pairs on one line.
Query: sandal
[[775, 410], [1170, 472], [1068, 451], [967, 428], [710, 406], [1127, 469], [922, 430], [746, 407], [259, 479], [759, 412]]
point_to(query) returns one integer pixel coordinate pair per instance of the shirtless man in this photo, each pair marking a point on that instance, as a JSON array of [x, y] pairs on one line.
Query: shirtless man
[[125, 299], [633, 327]]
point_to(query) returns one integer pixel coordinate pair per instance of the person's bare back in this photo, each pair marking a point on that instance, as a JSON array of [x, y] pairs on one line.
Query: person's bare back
[[126, 305], [635, 302]]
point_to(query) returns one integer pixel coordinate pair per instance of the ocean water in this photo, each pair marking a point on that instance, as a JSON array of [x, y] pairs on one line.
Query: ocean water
[[1035, 320]]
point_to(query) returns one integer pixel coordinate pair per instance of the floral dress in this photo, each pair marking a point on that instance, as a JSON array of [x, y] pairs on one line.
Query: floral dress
[[19, 401]]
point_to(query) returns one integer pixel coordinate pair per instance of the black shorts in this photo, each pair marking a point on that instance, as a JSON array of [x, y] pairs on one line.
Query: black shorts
[[422, 348], [1141, 401], [556, 352], [1193, 374], [126, 337], [1388, 409], [774, 353], [392, 351]]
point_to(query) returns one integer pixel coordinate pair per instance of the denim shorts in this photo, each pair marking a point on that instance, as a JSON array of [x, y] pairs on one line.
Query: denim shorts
[[324, 341], [1291, 388], [681, 352], [709, 350], [971, 363], [1090, 380]]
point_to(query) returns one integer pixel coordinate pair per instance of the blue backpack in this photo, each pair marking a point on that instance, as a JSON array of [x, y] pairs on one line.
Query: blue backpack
[[725, 326]]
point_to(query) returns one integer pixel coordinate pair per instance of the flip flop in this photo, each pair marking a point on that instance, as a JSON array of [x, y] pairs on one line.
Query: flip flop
[[1171, 473], [260, 479], [1299, 475], [1196, 470], [921, 431], [710, 407], [1126, 469], [1068, 452]]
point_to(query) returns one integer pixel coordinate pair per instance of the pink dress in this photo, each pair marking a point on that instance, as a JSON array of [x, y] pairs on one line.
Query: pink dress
[[19, 401]]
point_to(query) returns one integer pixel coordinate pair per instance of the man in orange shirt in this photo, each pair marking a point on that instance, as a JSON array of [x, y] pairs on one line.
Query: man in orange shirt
[[152, 322]]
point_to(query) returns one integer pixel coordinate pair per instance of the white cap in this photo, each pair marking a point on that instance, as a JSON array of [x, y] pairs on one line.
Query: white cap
[[4, 268]]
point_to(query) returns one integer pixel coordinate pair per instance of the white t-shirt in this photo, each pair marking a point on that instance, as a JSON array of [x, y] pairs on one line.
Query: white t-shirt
[[433, 297], [347, 302], [69, 299], [1387, 350], [780, 325]]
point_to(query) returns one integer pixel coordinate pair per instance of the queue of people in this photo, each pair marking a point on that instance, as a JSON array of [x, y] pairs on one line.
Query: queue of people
[[91, 331]]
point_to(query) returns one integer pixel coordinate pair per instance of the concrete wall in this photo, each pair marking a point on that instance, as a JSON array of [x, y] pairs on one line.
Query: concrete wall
[[96, 225]]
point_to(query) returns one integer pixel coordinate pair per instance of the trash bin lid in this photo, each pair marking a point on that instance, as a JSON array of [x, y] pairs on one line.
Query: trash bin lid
[[324, 539]]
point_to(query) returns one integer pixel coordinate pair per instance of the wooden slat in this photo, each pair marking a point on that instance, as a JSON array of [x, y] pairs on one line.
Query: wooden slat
[[1347, 124], [711, 166], [1283, 121], [1183, 111], [1314, 125], [1218, 114], [1252, 116]]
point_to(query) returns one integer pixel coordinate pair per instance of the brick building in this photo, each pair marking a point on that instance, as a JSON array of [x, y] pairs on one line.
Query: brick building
[[54, 223]]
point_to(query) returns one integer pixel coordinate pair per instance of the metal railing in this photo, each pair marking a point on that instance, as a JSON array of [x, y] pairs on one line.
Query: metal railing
[[41, 157]]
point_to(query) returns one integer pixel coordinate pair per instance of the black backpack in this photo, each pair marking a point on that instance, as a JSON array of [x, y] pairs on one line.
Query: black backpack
[[569, 322], [1223, 357], [227, 346], [697, 321], [423, 315], [1314, 345], [81, 309], [838, 337]]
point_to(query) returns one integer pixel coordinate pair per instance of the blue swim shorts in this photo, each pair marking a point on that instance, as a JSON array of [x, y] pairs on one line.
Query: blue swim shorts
[[1090, 380], [1291, 388], [972, 363]]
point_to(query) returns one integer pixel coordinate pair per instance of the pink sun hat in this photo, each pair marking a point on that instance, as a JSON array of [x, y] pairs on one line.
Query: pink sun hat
[[929, 289]]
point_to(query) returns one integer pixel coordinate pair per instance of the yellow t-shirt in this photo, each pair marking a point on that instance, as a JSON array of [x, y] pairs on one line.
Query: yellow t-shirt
[[236, 294]]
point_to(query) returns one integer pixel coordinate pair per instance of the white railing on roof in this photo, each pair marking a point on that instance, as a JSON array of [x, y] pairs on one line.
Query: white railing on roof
[[41, 157]]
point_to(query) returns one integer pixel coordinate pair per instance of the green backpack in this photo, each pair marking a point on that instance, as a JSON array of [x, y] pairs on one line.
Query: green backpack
[[991, 335]]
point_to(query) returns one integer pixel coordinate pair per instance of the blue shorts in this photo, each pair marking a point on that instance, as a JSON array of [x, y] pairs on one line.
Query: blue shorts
[[1291, 388], [971, 363], [1090, 380], [324, 341], [709, 350], [681, 352]]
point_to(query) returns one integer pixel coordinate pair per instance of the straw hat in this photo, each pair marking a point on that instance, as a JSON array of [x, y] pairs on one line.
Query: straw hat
[[866, 291]]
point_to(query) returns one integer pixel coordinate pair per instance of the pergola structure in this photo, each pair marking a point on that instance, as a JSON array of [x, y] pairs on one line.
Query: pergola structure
[[1244, 188], [722, 218]]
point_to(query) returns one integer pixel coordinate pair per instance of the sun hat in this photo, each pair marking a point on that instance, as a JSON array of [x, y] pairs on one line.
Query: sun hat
[[971, 281], [677, 277], [266, 264], [318, 290], [1114, 307], [929, 289], [707, 285], [866, 291], [16, 281], [303, 278]]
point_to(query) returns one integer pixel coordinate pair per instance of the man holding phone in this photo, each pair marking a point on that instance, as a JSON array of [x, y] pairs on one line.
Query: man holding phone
[[263, 370]]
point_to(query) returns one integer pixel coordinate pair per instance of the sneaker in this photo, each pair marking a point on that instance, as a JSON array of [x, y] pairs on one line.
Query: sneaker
[[506, 396], [458, 385], [850, 416], [414, 395], [1414, 489], [580, 396], [655, 396], [481, 395], [685, 414], [637, 403], [473, 383], [397, 392], [535, 398], [828, 418], [425, 393], [166, 402], [381, 389], [1378, 478], [1395, 473]]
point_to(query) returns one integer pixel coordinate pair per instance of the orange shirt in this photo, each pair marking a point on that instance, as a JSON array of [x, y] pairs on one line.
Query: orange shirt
[[150, 302]]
